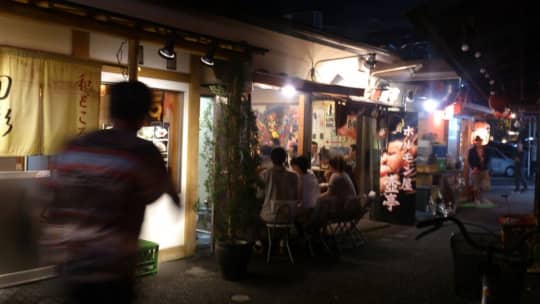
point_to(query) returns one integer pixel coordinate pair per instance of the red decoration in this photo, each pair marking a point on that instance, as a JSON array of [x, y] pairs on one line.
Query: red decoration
[[498, 103]]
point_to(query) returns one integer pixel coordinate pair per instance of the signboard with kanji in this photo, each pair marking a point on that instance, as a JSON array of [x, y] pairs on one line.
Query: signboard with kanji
[[397, 184]]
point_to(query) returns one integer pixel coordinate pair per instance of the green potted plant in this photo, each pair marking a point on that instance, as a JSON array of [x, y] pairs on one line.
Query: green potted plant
[[231, 160]]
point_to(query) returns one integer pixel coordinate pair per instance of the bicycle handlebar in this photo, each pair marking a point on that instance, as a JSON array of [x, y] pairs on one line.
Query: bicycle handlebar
[[436, 223]]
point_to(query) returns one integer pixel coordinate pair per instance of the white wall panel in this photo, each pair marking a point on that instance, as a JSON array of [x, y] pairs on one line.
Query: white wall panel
[[26, 33]]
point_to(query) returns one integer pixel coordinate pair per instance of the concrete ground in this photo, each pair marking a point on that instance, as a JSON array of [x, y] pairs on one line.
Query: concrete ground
[[392, 267]]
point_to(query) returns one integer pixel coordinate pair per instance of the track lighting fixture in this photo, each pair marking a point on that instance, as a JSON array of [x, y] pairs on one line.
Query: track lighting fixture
[[167, 52], [208, 58]]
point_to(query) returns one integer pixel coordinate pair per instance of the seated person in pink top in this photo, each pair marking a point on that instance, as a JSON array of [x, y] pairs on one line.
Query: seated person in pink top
[[340, 185]]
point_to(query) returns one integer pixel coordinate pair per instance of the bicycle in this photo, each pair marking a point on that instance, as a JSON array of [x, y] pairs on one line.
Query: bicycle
[[490, 293]]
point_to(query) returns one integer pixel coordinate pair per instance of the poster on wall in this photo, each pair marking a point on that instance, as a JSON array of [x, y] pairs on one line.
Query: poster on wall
[[397, 183], [277, 124], [324, 127]]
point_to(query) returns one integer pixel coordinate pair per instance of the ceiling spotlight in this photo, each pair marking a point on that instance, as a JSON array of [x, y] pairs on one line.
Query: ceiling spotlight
[[477, 54], [482, 70], [370, 61], [492, 82], [167, 52], [430, 105], [208, 58], [288, 91], [464, 47]]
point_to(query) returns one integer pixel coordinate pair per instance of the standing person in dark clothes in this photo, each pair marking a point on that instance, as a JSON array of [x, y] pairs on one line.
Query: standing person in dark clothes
[[102, 183], [518, 165], [478, 161]]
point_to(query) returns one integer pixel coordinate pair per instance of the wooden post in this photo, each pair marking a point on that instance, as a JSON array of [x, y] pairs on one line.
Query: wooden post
[[360, 170], [133, 56], [305, 130], [465, 145], [192, 165], [80, 44]]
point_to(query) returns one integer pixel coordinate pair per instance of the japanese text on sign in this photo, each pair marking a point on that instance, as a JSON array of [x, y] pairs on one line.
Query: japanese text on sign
[[85, 87], [401, 178]]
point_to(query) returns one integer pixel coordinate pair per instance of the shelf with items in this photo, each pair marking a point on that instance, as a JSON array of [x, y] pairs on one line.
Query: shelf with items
[[158, 134]]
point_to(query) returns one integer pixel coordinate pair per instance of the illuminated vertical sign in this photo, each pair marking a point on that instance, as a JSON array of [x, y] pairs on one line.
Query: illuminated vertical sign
[[397, 184]]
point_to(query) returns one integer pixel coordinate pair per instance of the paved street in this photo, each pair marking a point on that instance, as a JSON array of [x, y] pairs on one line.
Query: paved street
[[390, 268]]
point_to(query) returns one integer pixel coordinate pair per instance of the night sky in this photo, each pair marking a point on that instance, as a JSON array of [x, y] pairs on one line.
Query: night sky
[[381, 22]]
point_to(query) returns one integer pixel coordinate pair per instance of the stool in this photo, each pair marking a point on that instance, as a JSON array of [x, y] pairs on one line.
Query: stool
[[281, 225], [282, 230]]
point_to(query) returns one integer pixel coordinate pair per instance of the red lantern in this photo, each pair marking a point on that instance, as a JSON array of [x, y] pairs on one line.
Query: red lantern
[[498, 103]]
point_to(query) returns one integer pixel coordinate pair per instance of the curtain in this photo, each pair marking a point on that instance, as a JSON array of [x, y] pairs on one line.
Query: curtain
[[70, 101], [69, 105], [19, 102]]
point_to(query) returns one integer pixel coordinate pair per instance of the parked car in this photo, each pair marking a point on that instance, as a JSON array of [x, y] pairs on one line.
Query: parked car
[[509, 150], [499, 163]]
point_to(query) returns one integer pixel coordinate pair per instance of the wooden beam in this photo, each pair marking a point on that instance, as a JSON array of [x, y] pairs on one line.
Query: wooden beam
[[306, 86], [128, 27], [302, 135], [80, 44], [192, 166], [152, 73], [306, 126], [360, 170], [133, 59]]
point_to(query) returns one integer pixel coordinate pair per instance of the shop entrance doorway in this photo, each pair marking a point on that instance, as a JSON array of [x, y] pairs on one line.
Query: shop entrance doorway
[[204, 206]]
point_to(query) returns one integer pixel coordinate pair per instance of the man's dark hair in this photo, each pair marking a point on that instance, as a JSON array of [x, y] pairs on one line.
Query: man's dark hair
[[278, 156], [314, 143], [129, 101], [338, 163], [302, 162], [477, 138]]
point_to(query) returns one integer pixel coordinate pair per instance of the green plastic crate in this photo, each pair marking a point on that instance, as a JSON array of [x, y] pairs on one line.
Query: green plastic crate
[[147, 260]]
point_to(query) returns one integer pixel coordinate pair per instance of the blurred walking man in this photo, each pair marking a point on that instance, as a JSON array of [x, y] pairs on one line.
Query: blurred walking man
[[102, 183]]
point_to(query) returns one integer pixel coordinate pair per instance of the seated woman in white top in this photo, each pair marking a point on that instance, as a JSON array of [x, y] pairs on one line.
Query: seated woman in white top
[[340, 185], [280, 185], [308, 186]]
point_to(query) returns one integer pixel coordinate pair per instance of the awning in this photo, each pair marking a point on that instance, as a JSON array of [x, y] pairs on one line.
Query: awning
[[306, 85]]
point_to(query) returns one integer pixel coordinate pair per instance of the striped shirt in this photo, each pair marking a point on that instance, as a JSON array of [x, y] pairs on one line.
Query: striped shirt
[[102, 183]]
